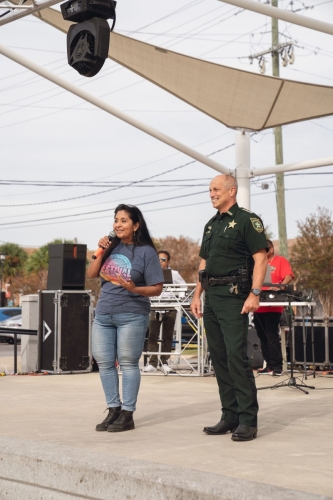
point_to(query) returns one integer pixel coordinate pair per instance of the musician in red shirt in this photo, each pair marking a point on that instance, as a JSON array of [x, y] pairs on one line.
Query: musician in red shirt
[[267, 319]]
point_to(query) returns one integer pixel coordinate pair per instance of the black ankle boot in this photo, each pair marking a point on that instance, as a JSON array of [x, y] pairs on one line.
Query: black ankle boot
[[222, 427], [124, 422], [111, 417], [244, 433]]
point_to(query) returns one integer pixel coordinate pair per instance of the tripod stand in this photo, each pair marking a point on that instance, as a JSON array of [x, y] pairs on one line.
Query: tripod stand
[[292, 382]]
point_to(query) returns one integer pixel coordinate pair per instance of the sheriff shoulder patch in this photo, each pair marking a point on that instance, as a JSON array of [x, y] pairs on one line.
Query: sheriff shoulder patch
[[256, 223]]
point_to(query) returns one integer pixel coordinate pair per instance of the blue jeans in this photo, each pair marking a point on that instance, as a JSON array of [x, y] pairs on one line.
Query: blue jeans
[[119, 337]]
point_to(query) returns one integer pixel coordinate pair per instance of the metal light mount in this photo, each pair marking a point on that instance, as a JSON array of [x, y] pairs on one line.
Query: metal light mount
[[78, 11], [88, 41]]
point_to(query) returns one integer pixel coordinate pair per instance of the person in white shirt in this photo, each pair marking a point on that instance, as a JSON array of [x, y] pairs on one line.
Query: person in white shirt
[[167, 319]]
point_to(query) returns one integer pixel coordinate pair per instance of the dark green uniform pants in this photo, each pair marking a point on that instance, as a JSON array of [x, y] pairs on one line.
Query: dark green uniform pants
[[226, 330]]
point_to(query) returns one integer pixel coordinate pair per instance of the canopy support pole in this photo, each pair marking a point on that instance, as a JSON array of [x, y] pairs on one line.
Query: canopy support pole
[[242, 170]]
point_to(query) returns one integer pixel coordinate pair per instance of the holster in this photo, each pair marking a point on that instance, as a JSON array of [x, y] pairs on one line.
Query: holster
[[245, 280], [203, 279]]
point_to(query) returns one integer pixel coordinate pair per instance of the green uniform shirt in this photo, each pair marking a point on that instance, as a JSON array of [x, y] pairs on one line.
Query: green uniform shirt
[[230, 239]]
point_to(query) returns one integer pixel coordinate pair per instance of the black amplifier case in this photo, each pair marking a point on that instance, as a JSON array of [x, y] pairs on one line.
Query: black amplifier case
[[64, 332], [323, 341]]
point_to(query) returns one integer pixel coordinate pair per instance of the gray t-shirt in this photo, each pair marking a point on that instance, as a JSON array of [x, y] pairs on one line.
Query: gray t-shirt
[[141, 264]]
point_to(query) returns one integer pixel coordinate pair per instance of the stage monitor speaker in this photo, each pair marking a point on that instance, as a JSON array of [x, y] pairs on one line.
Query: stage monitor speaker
[[67, 267], [254, 349]]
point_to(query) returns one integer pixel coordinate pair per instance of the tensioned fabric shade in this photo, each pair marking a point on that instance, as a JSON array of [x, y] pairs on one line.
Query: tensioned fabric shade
[[238, 99]]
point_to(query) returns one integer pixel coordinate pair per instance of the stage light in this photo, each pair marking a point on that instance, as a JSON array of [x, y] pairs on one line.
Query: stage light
[[88, 41]]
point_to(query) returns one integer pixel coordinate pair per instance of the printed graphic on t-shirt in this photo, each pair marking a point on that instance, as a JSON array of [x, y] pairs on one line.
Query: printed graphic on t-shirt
[[116, 264]]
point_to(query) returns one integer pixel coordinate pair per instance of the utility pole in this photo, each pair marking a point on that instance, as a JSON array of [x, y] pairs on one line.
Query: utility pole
[[280, 200]]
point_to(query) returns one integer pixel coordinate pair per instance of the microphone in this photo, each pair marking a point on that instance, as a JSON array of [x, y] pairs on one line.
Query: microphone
[[100, 250]]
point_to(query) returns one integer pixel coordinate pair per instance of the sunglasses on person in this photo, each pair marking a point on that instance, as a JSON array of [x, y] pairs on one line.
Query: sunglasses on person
[[163, 259]]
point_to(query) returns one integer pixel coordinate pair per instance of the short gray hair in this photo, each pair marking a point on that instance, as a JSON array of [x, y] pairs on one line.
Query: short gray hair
[[230, 181]]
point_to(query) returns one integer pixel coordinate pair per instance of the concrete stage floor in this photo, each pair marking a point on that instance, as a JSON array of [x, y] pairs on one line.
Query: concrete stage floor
[[48, 422]]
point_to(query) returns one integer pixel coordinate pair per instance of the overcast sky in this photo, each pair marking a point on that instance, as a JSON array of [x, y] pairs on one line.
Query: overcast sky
[[47, 134]]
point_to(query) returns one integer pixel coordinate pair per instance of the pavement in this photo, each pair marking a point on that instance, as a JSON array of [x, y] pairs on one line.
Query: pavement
[[49, 448]]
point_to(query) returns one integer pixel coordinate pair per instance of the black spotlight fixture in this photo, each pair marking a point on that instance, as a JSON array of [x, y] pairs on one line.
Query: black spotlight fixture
[[88, 41]]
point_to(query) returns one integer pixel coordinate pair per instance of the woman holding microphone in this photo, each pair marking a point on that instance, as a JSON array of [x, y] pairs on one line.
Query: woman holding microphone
[[130, 271]]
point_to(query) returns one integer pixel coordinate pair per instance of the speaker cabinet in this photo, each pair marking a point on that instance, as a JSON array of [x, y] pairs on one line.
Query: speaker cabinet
[[323, 341], [67, 267], [64, 332]]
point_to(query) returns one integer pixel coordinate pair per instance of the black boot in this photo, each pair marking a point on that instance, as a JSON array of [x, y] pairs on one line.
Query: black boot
[[244, 433], [222, 427], [111, 417], [124, 422]]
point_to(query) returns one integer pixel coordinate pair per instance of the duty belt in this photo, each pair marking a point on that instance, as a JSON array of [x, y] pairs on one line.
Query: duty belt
[[224, 280]]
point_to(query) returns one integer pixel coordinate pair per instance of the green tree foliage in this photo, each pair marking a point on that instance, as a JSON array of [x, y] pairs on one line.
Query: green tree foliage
[[15, 260], [38, 263], [312, 256]]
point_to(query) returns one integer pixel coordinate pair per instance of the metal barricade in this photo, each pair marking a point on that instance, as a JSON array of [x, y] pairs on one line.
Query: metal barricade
[[16, 331]]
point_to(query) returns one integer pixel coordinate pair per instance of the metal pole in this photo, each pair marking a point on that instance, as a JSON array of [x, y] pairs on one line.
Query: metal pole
[[15, 353], [37, 6], [280, 201], [112, 110], [291, 167], [284, 15], [242, 170]]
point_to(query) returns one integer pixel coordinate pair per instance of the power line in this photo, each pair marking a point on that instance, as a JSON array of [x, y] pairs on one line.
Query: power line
[[293, 189], [147, 211], [107, 216], [104, 210], [112, 189], [133, 168]]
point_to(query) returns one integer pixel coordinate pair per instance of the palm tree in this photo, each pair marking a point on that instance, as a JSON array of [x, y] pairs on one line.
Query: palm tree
[[15, 259]]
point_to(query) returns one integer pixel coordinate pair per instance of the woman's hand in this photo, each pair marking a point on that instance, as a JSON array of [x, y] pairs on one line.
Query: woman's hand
[[104, 242], [129, 285], [145, 291], [95, 264]]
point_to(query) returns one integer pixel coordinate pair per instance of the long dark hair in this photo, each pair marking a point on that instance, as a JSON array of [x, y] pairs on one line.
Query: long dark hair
[[141, 236]]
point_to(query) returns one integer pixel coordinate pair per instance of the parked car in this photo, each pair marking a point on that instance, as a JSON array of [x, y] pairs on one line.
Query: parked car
[[9, 312], [14, 322]]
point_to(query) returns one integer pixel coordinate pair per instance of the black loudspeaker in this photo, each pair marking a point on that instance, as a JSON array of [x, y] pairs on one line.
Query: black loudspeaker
[[2, 299], [323, 338], [67, 267], [254, 349], [64, 333]]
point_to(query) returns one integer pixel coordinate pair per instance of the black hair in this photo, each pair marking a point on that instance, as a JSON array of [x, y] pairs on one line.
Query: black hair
[[270, 244], [166, 253], [141, 235]]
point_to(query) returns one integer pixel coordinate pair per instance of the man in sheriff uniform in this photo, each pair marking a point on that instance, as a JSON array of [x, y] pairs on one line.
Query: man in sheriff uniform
[[232, 270]]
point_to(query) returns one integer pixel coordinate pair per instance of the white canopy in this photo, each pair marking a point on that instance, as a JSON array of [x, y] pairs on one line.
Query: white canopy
[[239, 99]]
